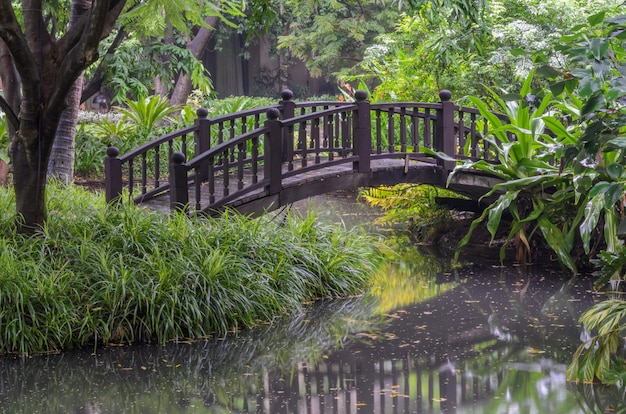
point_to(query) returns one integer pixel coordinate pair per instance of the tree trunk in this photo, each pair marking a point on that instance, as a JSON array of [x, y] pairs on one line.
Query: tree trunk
[[30, 190], [61, 165], [197, 45]]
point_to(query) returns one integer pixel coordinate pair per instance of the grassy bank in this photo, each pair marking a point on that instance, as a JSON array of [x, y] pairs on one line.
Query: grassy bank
[[98, 275]]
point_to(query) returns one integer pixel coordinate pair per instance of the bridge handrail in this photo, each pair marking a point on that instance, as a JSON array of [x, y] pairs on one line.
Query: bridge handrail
[[240, 139], [156, 142], [242, 114], [318, 114], [308, 104], [389, 105]]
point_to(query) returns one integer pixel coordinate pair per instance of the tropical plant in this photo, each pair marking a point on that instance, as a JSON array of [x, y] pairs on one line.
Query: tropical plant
[[414, 205], [535, 191], [147, 114]]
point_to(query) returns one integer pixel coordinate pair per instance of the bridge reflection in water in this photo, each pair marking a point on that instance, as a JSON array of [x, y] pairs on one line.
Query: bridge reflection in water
[[485, 340]]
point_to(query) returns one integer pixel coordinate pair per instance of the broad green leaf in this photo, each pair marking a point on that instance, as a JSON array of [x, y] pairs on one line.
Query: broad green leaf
[[495, 213], [593, 104], [557, 88], [598, 47], [519, 52], [548, 72], [598, 188], [596, 19], [615, 170], [555, 239], [617, 143], [592, 214], [613, 194]]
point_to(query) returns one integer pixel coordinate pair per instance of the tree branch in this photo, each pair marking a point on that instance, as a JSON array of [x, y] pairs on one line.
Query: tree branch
[[83, 40], [95, 83], [8, 111]]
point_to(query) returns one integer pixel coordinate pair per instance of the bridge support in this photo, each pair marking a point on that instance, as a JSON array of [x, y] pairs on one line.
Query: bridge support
[[362, 138], [203, 139], [179, 189], [445, 137], [113, 175], [288, 111], [273, 152]]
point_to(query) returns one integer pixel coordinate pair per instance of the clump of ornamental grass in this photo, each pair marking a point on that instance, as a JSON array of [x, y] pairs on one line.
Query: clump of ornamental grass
[[98, 274]]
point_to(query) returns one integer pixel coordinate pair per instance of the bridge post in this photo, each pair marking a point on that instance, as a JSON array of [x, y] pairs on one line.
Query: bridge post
[[202, 140], [445, 137], [112, 175], [179, 190], [273, 165], [362, 133], [288, 111]]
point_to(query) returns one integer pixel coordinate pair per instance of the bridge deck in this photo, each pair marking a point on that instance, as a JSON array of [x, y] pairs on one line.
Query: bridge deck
[[308, 182]]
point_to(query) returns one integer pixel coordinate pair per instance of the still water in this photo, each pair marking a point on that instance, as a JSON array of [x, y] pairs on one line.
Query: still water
[[426, 339]]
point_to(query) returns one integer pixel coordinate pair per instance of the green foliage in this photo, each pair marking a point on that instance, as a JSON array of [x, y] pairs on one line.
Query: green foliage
[[98, 274], [535, 191], [490, 47], [233, 104], [131, 71], [593, 359], [414, 205], [329, 36], [146, 114]]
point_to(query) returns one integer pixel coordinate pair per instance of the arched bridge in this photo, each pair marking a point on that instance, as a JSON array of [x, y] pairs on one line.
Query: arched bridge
[[265, 158]]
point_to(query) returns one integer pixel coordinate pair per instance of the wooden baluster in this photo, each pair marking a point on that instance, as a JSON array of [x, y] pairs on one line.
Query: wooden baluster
[[302, 143], [157, 166], [241, 156], [474, 135], [315, 139], [226, 171], [255, 160], [391, 129], [428, 134], [345, 134], [461, 135], [415, 130], [379, 134], [329, 136], [144, 173], [403, 129], [211, 180], [131, 177], [198, 188]]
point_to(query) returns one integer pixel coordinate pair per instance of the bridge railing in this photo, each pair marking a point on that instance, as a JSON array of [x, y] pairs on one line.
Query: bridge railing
[[140, 171], [219, 160]]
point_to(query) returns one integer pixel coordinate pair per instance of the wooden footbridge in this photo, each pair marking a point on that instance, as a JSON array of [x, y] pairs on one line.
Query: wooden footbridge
[[261, 159]]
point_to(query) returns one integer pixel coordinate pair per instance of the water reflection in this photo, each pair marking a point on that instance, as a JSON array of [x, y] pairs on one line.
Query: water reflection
[[481, 340], [428, 339]]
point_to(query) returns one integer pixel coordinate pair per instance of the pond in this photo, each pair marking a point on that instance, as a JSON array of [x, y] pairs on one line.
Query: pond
[[427, 339]]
